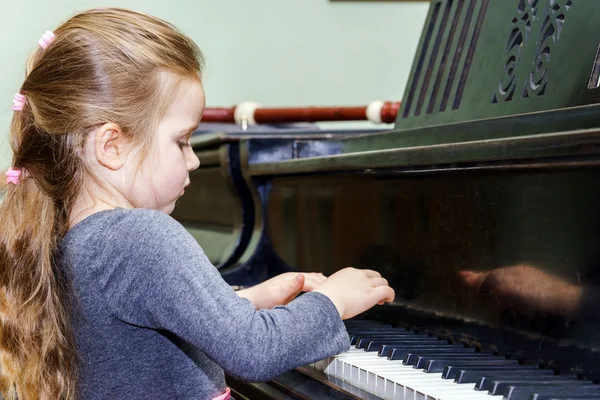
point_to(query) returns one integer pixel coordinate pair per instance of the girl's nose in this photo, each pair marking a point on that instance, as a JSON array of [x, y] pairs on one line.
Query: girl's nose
[[193, 161]]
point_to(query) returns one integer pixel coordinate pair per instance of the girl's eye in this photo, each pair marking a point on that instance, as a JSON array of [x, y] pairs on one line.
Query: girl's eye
[[184, 144]]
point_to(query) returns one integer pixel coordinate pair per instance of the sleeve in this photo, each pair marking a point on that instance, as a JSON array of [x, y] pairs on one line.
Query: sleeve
[[161, 279]]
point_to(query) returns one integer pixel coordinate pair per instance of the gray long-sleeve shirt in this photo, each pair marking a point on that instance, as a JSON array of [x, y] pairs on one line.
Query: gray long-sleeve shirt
[[154, 319]]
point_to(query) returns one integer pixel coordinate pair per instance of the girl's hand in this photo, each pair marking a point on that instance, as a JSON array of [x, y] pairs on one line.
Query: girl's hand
[[281, 289], [354, 291]]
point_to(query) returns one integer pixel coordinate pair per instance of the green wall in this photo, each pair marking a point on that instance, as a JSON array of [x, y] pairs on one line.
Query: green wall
[[276, 52]]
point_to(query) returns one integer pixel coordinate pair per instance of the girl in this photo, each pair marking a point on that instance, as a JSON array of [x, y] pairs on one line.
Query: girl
[[102, 293]]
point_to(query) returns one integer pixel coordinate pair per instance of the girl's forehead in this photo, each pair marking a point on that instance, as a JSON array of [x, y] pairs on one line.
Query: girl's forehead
[[186, 106], [189, 92]]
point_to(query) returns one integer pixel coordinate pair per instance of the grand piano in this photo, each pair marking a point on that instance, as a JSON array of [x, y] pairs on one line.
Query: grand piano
[[481, 207]]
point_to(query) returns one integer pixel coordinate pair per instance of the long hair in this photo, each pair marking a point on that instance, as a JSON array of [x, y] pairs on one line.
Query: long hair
[[103, 66]]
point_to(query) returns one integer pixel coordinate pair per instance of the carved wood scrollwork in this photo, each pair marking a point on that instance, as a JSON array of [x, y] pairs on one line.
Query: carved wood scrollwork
[[535, 80], [517, 40]]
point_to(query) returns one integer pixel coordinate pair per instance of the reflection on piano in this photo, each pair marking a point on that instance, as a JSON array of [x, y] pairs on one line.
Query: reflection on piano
[[480, 207]]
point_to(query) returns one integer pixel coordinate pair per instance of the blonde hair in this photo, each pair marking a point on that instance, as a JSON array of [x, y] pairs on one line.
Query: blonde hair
[[103, 66]]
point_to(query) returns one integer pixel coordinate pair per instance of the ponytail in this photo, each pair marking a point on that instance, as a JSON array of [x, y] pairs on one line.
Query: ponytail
[[37, 348]]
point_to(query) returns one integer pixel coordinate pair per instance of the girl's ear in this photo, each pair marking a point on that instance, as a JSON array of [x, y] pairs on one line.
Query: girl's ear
[[111, 146]]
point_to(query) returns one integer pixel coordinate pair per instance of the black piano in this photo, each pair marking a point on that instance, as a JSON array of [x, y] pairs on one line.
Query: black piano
[[481, 207]]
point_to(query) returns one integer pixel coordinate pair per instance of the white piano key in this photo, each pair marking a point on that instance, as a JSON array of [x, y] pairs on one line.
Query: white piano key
[[386, 390], [390, 379]]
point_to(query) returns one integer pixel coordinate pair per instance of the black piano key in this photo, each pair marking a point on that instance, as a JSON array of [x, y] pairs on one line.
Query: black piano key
[[378, 330], [410, 357], [513, 392], [461, 374], [496, 386], [471, 375], [391, 333], [538, 396], [577, 388], [491, 376], [362, 341], [355, 336], [420, 360], [376, 345], [386, 350], [383, 332], [361, 322], [438, 365], [375, 331], [367, 326]]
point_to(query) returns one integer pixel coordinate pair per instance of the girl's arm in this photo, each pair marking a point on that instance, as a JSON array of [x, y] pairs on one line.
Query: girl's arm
[[281, 289], [156, 276]]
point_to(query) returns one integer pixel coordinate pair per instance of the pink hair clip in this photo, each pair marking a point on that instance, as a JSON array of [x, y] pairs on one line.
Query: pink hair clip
[[47, 38], [13, 175], [18, 102]]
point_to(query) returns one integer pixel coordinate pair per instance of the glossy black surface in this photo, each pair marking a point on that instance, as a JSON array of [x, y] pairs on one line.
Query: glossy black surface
[[529, 238], [535, 233]]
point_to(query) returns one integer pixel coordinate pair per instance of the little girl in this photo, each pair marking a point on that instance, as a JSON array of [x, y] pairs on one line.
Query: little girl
[[102, 294]]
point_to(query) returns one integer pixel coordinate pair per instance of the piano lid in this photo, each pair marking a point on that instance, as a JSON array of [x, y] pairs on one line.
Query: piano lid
[[483, 59]]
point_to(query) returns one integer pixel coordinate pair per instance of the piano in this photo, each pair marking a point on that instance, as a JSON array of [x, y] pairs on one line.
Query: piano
[[481, 206]]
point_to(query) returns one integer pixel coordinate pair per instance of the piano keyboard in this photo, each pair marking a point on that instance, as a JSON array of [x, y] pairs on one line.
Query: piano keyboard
[[396, 364]]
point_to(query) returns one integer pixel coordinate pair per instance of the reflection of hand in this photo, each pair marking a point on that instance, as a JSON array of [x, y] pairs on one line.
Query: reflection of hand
[[536, 288], [281, 289]]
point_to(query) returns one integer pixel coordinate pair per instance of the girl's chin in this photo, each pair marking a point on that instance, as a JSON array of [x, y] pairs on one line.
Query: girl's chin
[[168, 209]]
